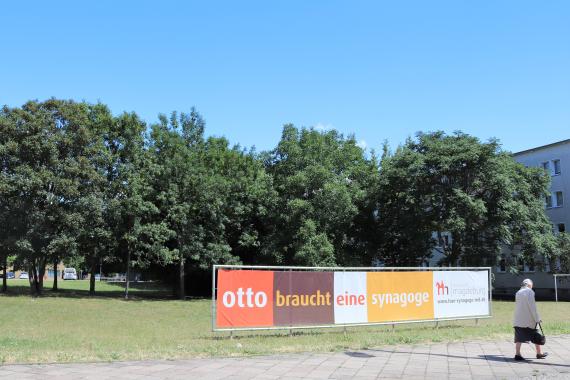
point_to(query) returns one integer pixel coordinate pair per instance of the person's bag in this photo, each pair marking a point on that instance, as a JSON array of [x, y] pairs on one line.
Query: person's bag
[[538, 337]]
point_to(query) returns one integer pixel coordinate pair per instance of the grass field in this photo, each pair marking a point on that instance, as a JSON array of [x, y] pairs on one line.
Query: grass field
[[70, 326]]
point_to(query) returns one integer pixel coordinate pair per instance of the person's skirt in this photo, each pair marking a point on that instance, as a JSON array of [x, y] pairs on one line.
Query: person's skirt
[[523, 334]]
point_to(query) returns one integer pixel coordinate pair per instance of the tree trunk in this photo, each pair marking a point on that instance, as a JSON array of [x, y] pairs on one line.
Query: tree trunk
[[36, 276], [92, 278], [41, 274], [128, 274], [31, 279], [54, 287], [182, 288], [456, 248], [5, 278]]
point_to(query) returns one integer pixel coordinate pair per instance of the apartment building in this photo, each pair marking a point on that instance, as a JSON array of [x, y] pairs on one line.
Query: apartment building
[[555, 160]]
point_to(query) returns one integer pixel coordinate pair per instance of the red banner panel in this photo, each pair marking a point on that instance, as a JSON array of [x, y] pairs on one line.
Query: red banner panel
[[245, 298], [303, 298]]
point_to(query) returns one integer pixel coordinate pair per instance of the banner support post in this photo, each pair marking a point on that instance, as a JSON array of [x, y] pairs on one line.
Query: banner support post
[[490, 295], [555, 288], [214, 291]]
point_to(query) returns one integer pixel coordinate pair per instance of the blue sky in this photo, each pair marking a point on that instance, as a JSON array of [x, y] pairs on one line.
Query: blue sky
[[378, 69]]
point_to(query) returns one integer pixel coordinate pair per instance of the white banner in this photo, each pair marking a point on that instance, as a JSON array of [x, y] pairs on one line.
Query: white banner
[[350, 304], [460, 294]]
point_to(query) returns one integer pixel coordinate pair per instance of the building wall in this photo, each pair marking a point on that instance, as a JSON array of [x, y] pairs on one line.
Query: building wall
[[561, 182], [507, 283]]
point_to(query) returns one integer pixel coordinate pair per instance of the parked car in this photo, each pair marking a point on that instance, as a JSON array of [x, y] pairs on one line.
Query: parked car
[[69, 274], [10, 275], [24, 276]]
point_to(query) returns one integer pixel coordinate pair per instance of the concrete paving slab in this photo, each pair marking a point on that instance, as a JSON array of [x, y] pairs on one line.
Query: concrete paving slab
[[441, 361]]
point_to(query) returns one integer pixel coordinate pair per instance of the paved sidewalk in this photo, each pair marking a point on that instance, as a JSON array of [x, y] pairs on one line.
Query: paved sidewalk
[[469, 360]]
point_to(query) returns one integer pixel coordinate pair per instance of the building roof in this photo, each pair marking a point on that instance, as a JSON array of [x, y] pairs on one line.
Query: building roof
[[542, 147]]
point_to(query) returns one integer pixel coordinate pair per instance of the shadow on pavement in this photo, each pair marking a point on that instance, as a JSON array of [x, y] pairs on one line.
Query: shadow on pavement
[[502, 358], [495, 358], [358, 354]]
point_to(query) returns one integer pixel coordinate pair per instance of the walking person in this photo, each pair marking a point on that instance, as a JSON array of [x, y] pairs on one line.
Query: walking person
[[525, 319]]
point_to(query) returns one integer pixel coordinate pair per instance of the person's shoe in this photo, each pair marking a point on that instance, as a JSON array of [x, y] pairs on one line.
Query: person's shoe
[[519, 358], [542, 356]]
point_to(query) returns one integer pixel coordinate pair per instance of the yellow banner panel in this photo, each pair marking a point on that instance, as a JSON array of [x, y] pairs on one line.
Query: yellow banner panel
[[399, 296]]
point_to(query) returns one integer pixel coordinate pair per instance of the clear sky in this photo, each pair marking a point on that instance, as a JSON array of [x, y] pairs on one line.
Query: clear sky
[[378, 69]]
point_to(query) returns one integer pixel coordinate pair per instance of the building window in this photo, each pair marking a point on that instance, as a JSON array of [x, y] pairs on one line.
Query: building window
[[556, 164], [561, 227], [546, 166], [546, 265], [520, 264], [559, 199], [524, 266], [502, 265], [548, 201], [378, 263]]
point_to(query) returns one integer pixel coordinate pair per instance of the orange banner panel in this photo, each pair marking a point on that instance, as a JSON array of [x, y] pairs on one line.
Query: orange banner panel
[[244, 298], [398, 296]]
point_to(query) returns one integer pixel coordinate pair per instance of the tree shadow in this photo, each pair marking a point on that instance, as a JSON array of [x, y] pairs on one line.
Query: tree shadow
[[245, 334], [357, 354], [335, 330], [138, 291]]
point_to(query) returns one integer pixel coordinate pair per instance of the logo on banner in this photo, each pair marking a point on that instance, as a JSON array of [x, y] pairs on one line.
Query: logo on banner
[[441, 288]]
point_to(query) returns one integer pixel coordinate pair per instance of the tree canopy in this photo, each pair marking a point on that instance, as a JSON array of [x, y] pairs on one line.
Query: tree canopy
[[472, 191], [81, 185]]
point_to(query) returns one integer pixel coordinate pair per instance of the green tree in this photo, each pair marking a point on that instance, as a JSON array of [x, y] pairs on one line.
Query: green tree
[[563, 253], [473, 191], [81, 227], [404, 229], [10, 202], [42, 176], [246, 195], [321, 179], [186, 196], [128, 206]]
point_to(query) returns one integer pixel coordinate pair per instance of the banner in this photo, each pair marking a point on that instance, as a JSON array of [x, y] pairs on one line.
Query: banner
[[262, 298]]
